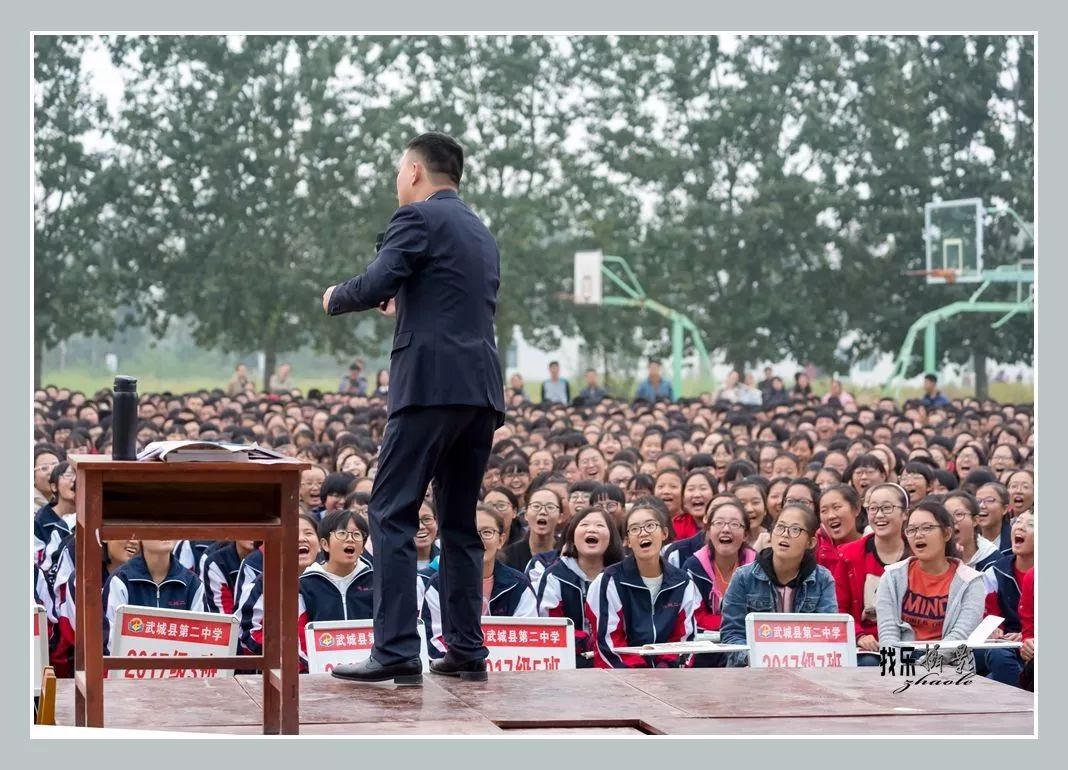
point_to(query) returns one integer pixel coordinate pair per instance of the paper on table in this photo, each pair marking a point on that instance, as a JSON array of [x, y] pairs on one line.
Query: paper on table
[[983, 631]]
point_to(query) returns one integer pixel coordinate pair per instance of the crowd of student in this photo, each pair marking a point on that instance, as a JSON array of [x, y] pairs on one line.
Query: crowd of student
[[642, 522]]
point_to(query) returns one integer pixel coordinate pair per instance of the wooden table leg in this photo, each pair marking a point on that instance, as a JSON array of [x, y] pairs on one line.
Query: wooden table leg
[[79, 604], [290, 696], [272, 622], [91, 612]]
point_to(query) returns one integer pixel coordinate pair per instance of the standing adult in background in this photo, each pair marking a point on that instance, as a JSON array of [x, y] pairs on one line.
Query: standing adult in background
[[438, 270], [556, 388], [654, 388], [281, 381], [240, 382], [593, 393], [765, 385], [932, 396], [354, 383]]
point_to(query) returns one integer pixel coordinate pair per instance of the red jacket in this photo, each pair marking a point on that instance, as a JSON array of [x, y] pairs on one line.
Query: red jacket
[[1027, 605], [684, 525], [826, 551], [854, 563]]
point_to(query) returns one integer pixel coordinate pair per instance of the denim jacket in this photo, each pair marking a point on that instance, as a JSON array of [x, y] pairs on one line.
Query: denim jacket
[[751, 590]]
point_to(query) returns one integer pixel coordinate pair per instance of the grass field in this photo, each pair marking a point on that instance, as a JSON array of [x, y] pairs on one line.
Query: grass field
[[90, 382]]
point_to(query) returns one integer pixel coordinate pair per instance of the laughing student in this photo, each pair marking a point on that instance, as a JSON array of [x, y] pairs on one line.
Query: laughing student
[[714, 564], [1004, 579], [642, 600], [591, 543]]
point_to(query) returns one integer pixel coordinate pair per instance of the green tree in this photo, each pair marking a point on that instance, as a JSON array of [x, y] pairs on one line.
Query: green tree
[[252, 186], [78, 280]]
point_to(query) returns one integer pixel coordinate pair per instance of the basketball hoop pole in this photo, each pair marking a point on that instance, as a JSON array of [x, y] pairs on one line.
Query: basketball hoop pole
[[681, 325]]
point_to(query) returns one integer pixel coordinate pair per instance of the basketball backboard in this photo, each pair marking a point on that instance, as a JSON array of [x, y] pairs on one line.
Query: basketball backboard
[[588, 277], [953, 236]]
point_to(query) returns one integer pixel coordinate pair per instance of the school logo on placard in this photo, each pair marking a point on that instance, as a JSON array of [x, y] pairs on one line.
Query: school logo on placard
[[327, 640], [764, 631], [135, 625]]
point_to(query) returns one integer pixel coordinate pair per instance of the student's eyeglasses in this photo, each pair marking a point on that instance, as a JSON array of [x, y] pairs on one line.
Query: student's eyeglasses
[[960, 515], [489, 534], [792, 530], [883, 510], [344, 534], [925, 530], [736, 526], [502, 505], [45, 467], [426, 521], [543, 508], [609, 505], [986, 501], [648, 527], [69, 475], [798, 501]]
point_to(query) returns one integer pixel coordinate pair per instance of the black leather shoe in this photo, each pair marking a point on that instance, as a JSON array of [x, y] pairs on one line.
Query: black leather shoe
[[467, 670], [407, 673]]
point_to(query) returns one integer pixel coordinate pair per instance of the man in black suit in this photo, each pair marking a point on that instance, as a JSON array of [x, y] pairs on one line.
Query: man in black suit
[[438, 269]]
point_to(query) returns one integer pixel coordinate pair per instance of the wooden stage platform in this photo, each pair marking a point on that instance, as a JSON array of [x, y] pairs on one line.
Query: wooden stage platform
[[582, 703]]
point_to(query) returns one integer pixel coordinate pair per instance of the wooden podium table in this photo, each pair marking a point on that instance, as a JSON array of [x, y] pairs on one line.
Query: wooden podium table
[[179, 501]]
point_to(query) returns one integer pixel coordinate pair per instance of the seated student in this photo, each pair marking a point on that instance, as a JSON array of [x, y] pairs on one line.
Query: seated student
[[578, 495], [785, 577], [426, 547], [931, 594], [542, 515], [191, 553], [155, 578], [614, 501], [506, 592], [341, 587], [753, 495], [917, 478], [839, 509], [591, 543], [972, 548], [641, 600], [1004, 579], [505, 503], [218, 572], [54, 521], [994, 523], [714, 564], [116, 554], [43, 597], [862, 562], [1021, 488], [640, 485], [677, 552], [1027, 630], [698, 488], [250, 609]]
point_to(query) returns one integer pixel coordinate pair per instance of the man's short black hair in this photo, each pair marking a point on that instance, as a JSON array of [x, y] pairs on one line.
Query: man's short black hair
[[930, 377], [441, 153]]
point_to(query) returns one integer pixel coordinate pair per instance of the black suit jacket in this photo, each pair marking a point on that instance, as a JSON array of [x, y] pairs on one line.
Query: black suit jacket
[[442, 265]]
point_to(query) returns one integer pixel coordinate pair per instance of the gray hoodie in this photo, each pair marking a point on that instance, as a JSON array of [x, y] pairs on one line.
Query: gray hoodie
[[985, 549], [964, 610]]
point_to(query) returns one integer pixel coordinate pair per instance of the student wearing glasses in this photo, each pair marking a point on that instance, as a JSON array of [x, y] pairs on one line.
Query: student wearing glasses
[[542, 514], [931, 594], [1021, 486], [502, 500], [862, 562], [45, 458], [972, 548], [613, 501], [52, 523], [714, 564], [340, 588], [642, 599], [515, 474], [784, 577], [506, 592], [426, 547]]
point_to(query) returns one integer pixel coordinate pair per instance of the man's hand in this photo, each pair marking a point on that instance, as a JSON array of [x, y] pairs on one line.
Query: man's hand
[[389, 307], [326, 298]]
